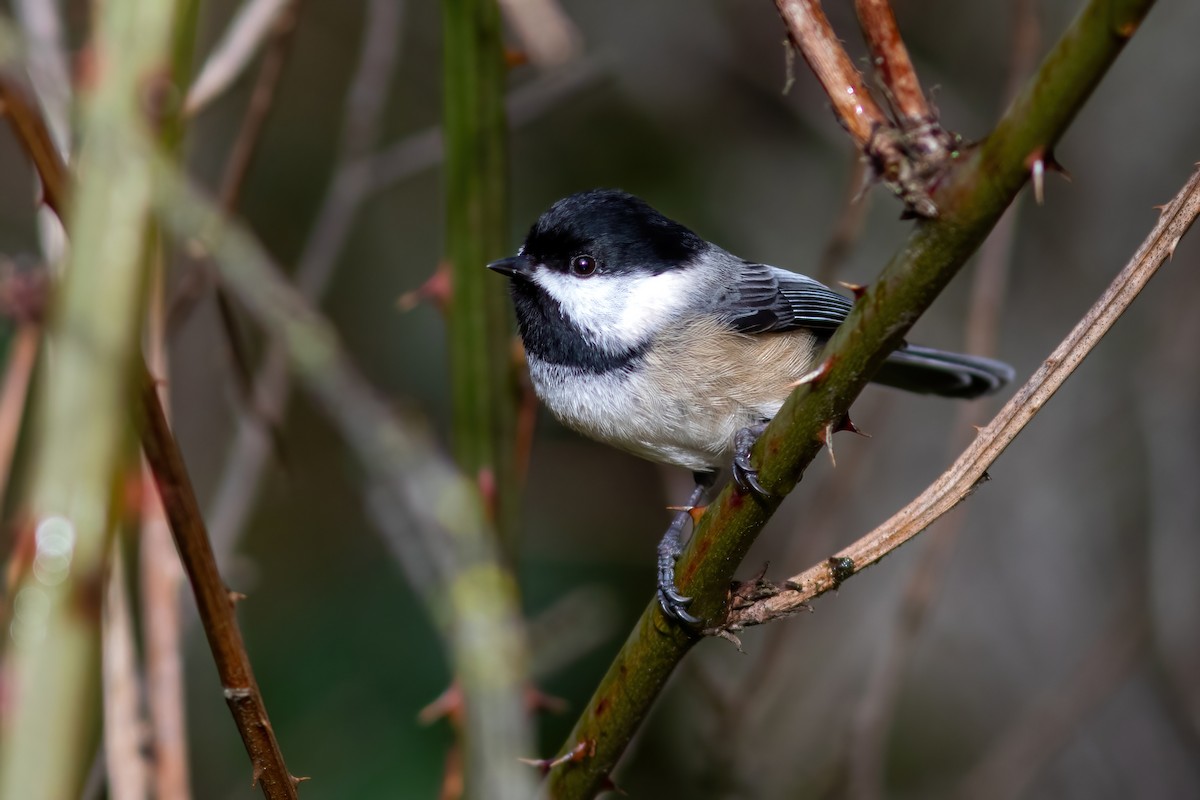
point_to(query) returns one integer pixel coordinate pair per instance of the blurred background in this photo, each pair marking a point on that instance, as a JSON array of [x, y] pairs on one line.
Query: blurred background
[[1052, 649]]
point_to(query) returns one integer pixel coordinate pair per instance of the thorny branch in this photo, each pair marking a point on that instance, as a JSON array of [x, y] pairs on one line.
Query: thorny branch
[[187, 524], [971, 199], [971, 467]]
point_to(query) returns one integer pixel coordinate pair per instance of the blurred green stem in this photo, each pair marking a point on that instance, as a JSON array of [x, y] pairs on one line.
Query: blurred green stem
[[971, 202], [473, 598], [476, 179], [52, 670]]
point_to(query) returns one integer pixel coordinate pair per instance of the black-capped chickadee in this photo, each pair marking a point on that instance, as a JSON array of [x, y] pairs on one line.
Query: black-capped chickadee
[[643, 335]]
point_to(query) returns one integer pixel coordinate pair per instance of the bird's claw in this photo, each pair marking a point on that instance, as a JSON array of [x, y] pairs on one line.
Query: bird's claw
[[672, 601], [745, 476]]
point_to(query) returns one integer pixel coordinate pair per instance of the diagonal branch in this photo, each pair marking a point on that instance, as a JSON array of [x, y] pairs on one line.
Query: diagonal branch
[[971, 467], [971, 200]]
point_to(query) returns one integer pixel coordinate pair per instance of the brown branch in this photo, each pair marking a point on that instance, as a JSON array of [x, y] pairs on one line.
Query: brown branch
[[971, 467], [262, 100], [911, 157], [35, 139], [872, 721], [215, 602], [890, 57], [124, 733], [352, 182], [811, 33]]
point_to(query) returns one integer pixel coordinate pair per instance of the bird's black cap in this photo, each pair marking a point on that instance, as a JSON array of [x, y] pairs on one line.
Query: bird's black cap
[[619, 230]]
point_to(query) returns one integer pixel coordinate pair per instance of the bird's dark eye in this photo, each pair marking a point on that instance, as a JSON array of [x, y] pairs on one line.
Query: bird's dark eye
[[583, 266]]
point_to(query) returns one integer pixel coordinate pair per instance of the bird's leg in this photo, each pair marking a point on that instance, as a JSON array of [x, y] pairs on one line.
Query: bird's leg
[[744, 473], [674, 604]]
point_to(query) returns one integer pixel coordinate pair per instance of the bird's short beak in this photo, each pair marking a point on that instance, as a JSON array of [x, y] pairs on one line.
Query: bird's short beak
[[513, 266]]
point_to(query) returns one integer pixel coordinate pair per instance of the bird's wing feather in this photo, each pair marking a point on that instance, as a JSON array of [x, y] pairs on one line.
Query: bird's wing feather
[[768, 299]]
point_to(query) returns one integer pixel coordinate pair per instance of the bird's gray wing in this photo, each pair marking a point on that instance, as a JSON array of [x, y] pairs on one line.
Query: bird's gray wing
[[766, 299]]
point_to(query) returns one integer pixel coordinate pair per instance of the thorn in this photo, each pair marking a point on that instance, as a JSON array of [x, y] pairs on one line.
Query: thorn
[[789, 65], [302, 779], [436, 290], [1171, 248], [856, 289], [1053, 165], [485, 479], [537, 700], [695, 512], [1038, 172], [235, 597], [448, 704], [847, 424], [255, 775], [729, 636], [515, 58], [607, 785], [814, 375], [585, 749], [825, 437]]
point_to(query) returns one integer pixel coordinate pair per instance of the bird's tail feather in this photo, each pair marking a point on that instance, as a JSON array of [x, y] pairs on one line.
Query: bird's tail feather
[[929, 371]]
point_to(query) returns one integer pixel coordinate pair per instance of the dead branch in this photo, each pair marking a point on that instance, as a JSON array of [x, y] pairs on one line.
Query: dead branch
[[971, 467]]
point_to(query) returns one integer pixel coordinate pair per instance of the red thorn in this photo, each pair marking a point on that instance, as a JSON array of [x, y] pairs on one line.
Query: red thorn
[[448, 704], [813, 376], [485, 479], [856, 289], [537, 700], [436, 289], [585, 749], [296, 781], [847, 424], [1053, 165], [515, 58], [607, 785]]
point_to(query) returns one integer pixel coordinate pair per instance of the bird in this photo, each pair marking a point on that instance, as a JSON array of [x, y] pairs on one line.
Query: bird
[[643, 335]]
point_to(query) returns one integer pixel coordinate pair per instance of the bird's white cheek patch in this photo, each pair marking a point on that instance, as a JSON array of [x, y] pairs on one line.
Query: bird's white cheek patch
[[618, 312], [653, 301]]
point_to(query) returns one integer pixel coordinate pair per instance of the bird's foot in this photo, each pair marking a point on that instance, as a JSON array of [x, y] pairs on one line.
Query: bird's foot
[[745, 476]]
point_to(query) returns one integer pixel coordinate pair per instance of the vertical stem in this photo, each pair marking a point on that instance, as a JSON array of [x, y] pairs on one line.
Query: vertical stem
[[52, 669], [162, 576], [476, 232]]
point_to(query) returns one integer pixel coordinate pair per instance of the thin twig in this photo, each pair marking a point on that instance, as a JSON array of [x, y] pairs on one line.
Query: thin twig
[[971, 467], [124, 731], [79, 450], [34, 137], [548, 36], [811, 33], [872, 721], [366, 100], [22, 355], [890, 58], [248, 29], [245, 144], [161, 580], [215, 602], [183, 511], [42, 26], [475, 600], [355, 181]]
